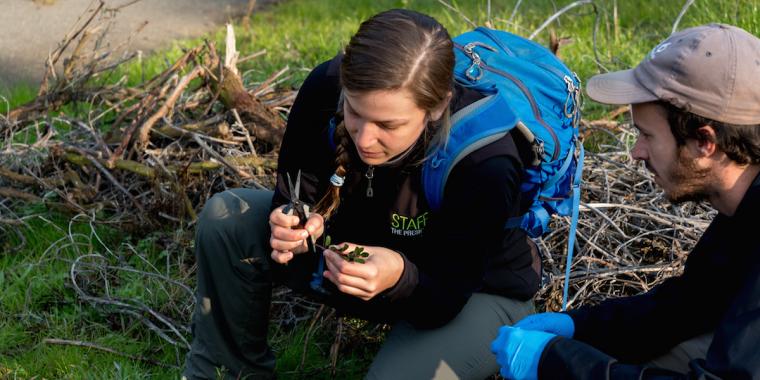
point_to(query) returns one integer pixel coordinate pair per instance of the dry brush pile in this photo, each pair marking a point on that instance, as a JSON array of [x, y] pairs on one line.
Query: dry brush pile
[[629, 236], [148, 155]]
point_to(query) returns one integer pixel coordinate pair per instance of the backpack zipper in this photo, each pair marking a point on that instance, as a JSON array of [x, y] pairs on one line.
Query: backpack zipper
[[571, 88], [468, 49], [533, 105]]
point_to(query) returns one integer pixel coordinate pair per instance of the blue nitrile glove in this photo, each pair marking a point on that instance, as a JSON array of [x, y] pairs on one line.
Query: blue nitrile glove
[[518, 351], [555, 323]]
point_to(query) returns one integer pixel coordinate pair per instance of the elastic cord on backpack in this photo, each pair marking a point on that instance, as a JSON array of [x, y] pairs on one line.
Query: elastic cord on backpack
[[573, 222]]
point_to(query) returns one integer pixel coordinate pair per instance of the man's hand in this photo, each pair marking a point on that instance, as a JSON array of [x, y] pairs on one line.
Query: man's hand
[[554, 323], [380, 271], [518, 351], [287, 238]]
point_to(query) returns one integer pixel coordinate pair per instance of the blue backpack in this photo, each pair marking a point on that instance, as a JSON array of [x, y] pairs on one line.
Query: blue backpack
[[528, 88]]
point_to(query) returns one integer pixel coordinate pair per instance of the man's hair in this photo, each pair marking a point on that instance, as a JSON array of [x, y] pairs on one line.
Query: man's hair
[[741, 143]]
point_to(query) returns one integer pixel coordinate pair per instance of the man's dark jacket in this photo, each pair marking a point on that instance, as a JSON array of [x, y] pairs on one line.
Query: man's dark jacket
[[719, 291]]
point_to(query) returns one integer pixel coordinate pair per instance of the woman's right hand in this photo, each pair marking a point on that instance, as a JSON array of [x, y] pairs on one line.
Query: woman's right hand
[[287, 239]]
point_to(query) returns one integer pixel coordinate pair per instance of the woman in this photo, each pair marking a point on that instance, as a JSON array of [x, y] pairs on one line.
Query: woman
[[446, 280]]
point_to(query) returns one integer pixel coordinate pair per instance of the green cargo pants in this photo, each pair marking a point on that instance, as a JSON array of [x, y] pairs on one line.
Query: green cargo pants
[[235, 276]]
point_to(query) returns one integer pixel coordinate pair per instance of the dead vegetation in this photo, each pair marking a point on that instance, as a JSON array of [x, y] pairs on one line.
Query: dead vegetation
[[146, 153]]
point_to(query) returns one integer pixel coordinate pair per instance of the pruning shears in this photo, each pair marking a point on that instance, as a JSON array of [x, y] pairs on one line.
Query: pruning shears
[[301, 210], [297, 207]]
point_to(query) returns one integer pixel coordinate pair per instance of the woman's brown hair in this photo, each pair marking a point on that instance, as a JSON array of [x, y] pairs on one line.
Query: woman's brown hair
[[392, 50]]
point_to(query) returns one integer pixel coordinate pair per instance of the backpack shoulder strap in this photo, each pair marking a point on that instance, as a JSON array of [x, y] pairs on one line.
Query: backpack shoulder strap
[[472, 128]]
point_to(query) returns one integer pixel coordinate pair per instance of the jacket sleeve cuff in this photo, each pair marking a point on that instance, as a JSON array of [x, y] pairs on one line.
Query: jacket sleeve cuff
[[570, 359], [406, 283]]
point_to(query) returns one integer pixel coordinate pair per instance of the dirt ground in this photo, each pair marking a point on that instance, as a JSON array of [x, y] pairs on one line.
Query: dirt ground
[[30, 29]]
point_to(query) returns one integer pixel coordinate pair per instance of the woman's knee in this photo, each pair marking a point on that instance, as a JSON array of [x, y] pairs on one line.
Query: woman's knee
[[235, 205], [235, 220]]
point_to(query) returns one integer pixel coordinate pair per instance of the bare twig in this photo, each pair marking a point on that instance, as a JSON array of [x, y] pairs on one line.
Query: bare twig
[[457, 11], [559, 13], [95, 346], [680, 15], [514, 11], [168, 105]]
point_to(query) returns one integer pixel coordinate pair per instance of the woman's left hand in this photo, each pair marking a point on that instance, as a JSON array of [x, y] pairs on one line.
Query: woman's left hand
[[380, 271]]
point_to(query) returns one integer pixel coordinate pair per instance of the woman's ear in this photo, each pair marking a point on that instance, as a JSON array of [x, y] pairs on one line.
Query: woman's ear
[[438, 111]]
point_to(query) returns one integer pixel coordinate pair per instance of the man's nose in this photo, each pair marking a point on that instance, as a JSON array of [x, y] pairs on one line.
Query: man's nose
[[638, 152]]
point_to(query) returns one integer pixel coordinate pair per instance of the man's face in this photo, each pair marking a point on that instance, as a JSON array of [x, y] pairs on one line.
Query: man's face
[[674, 168]]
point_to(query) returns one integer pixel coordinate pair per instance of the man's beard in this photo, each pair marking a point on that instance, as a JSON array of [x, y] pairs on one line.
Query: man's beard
[[689, 182]]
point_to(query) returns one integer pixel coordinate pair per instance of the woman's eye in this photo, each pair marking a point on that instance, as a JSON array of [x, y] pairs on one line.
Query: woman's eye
[[389, 126]]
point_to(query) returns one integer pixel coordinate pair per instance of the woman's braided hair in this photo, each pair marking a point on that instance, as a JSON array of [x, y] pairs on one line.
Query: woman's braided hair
[[393, 50]]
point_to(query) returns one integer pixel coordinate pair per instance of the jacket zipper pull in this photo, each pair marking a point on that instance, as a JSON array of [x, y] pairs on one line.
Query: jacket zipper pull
[[370, 174]]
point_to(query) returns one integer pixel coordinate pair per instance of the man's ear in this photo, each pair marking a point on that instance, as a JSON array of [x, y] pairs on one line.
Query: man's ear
[[706, 142], [438, 111]]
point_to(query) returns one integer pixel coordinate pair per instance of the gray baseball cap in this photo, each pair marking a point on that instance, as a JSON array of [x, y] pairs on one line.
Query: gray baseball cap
[[710, 70]]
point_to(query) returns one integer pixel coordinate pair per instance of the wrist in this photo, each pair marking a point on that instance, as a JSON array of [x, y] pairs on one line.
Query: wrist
[[399, 265], [406, 283]]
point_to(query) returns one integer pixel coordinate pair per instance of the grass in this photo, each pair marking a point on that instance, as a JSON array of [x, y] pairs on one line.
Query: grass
[[16, 96], [37, 303], [36, 298]]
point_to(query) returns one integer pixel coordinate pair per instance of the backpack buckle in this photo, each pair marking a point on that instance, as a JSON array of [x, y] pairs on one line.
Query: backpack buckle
[[572, 100], [475, 71]]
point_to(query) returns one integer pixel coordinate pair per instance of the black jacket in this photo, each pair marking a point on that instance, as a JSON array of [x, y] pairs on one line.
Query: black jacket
[[719, 291], [448, 254]]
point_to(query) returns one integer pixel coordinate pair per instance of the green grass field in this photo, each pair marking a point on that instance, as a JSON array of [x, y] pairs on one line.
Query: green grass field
[[37, 299]]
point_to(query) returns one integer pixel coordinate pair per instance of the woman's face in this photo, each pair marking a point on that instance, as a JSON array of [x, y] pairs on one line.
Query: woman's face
[[382, 123]]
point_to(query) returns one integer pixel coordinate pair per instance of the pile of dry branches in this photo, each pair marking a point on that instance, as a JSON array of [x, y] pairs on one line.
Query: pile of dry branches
[[144, 153], [140, 157]]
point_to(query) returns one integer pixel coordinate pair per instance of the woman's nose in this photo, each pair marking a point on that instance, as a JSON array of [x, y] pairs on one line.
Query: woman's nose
[[365, 134]]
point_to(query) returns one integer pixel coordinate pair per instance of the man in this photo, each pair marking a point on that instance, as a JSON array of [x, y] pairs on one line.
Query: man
[[695, 100]]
